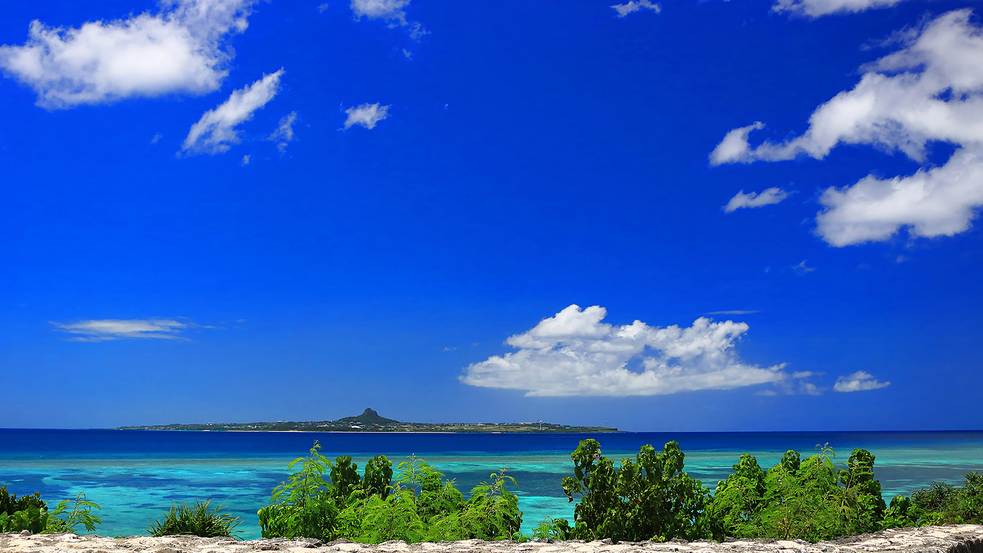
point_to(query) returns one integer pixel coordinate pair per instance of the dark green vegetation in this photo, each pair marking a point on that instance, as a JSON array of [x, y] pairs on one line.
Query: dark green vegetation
[[30, 513], [370, 421], [650, 497], [328, 501], [811, 499], [199, 520]]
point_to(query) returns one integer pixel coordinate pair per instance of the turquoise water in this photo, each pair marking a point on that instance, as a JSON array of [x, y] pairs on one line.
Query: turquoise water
[[135, 476]]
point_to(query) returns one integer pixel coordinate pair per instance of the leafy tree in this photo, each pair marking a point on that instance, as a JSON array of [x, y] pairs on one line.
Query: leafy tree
[[650, 498], [393, 518], [302, 506], [378, 476], [737, 501], [801, 501], [492, 512]]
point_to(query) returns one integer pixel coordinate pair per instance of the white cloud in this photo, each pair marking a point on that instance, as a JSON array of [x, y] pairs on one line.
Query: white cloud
[[156, 138], [215, 131], [802, 269], [321, 8], [366, 115], [817, 8], [179, 50], [733, 312], [858, 382], [929, 90], [101, 330], [635, 5], [245, 160], [390, 11], [575, 354], [284, 133], [753, 199]]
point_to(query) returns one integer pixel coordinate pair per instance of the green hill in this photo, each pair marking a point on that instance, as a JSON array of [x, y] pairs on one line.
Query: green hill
[[369, 416]]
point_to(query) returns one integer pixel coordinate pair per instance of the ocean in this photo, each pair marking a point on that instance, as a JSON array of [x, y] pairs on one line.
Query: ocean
[[136, 475]]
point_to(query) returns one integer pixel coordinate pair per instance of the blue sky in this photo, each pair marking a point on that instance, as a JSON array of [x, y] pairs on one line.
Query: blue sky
[[743, 215]]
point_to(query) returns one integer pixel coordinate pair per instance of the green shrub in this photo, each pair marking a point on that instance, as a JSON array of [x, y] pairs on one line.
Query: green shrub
[[420, 505], [29, 512], [199, 520], [650, 498], [302, 506], [81, 514], [940, 503]]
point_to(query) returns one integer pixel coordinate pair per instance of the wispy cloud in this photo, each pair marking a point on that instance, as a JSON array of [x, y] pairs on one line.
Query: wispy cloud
[[101, 330], [931, 90], [181, 49], [575, 354], [817, 8], [634, 5], [734, 312], [366, 115], [390, 11], [858, 382], [284, 133], [216, 130], [752, 199], [802, 268]]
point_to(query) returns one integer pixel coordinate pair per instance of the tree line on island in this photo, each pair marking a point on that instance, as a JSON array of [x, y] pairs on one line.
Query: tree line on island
[[648, 498], [371, 421]]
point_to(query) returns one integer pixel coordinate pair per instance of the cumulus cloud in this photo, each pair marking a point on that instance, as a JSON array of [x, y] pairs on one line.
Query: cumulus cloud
[[858, 382], [635, 5], [575, 354], [366, 115], [216, 130], [929, 90], [818, 8], [284, 133], [101, 330], [181, 49], [390, 11], [753, 199]]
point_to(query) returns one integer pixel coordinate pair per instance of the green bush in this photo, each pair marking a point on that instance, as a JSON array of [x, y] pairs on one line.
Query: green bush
[[940, 503], [199, 520], [420, 505], [648, 499], [81, 514], [809, 500], [29, 512]]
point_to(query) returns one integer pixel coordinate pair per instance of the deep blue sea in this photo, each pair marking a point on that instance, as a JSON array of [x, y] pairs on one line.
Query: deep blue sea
[[136, 475]]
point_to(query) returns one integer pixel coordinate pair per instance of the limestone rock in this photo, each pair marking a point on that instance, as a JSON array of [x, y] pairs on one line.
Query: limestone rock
[[966, 538]]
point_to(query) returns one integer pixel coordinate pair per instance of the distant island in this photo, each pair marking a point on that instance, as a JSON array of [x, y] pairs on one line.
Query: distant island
[[370, 421]]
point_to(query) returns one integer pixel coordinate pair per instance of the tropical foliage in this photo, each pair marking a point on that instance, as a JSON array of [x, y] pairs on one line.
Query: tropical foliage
[[80, 515], [198, 520], [418, 505], [649, 497], [28, 512]]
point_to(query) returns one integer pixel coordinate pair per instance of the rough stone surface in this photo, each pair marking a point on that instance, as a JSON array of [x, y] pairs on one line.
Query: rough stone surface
[[966, 538]]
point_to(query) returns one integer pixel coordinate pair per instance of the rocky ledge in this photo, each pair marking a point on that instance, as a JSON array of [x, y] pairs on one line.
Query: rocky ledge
[[932, 539]]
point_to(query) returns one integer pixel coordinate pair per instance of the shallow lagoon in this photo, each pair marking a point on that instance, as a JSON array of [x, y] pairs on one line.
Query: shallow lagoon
[[135, 475]]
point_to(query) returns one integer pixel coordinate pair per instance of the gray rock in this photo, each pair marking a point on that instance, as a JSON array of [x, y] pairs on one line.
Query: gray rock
[[966, 538]]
